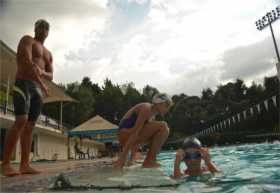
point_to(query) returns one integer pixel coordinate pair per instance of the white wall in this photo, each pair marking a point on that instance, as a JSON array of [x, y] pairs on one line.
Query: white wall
[[48, 145]]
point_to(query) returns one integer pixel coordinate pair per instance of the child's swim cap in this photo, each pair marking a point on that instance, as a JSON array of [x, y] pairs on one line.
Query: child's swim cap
[[191, 142]]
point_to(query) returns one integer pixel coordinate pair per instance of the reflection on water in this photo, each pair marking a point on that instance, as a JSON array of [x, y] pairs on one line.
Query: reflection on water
[[246, 168], [253, 168]]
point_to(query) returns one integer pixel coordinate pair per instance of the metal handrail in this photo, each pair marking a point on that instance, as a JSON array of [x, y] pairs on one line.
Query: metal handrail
[[43, 120]]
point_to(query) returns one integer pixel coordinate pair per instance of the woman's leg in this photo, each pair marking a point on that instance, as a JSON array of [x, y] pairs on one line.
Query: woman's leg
[[154, 133]]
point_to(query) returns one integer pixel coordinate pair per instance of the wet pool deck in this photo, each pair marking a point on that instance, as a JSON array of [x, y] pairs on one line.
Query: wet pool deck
[[40, 182]]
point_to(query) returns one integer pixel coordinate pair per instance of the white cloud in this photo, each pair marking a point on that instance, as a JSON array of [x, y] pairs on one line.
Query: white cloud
[[249, 60], [177, 46]]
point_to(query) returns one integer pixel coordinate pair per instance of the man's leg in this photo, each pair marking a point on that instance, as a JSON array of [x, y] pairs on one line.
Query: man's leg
[[155, 133], [10, 143], [26, 141], [26, 135]]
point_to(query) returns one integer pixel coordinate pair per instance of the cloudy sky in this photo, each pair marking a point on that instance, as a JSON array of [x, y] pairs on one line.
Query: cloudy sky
[[178, 46]]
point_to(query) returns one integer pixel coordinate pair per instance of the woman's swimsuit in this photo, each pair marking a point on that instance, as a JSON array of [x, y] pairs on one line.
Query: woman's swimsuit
[[129, 122]]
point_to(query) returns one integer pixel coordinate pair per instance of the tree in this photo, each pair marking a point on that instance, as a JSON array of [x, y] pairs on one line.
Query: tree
[[239, 90], [110, 101], [189, 115], [86, 82], [207, 94], [149, 92], [131, 95], [79, 112], [254, 92], [271, 84]]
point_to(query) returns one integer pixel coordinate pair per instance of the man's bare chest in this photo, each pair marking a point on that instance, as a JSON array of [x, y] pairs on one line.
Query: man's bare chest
[[40, 54]]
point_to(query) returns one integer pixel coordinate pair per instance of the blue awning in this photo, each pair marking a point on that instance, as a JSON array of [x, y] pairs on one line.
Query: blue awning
[[106, 140], [92, 133]]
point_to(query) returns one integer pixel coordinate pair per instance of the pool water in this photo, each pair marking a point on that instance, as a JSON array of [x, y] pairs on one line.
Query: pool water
[[253, 168], [245, 169]]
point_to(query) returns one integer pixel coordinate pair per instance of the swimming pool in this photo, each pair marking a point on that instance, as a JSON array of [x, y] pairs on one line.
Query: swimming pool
[[246, 168], [253, 168]]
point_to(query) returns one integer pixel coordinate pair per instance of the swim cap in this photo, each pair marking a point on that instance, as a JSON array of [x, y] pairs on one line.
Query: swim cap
[[191, 142], [41, 23], [161, 98]]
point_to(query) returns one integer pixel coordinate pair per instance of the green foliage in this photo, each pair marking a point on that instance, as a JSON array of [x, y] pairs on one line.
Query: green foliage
[[188, 114], [149, 92], [3, 97], [271, 84]]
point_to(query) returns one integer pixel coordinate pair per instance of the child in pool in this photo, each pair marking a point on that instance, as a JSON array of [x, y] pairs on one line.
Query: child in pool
[[192, 154]]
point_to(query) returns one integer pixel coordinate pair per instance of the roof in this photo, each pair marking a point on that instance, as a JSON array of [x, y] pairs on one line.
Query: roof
[[96, 123], [8, 68], [97, 127]]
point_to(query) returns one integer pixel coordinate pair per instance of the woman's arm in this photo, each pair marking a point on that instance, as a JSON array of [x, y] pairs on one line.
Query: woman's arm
[[131, 142]]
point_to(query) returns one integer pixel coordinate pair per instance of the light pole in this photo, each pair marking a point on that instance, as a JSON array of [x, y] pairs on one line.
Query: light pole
[[265, 21]]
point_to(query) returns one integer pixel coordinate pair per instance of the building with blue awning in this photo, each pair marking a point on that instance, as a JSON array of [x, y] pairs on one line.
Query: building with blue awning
[[96, 128]]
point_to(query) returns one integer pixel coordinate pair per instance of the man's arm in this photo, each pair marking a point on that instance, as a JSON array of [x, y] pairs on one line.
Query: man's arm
[[48, 72], [24, 54]]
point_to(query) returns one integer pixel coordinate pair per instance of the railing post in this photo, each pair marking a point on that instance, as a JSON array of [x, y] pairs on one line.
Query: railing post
[[61, 112], [7, 96], [68, 146], [46, 120]]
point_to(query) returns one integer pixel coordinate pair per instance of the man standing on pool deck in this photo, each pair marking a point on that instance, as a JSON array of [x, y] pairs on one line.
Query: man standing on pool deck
[[34, 62]]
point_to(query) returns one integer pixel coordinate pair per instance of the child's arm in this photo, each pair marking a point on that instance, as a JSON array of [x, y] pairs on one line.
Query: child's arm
[[207, 158], [212, 167], [179, 157]]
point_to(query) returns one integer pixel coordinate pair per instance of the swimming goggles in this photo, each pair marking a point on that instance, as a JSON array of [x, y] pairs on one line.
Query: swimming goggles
[[192, 156]]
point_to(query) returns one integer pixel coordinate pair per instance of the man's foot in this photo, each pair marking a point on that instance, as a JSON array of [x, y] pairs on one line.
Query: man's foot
[[153, 164], [8, 171], [28, 170]]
